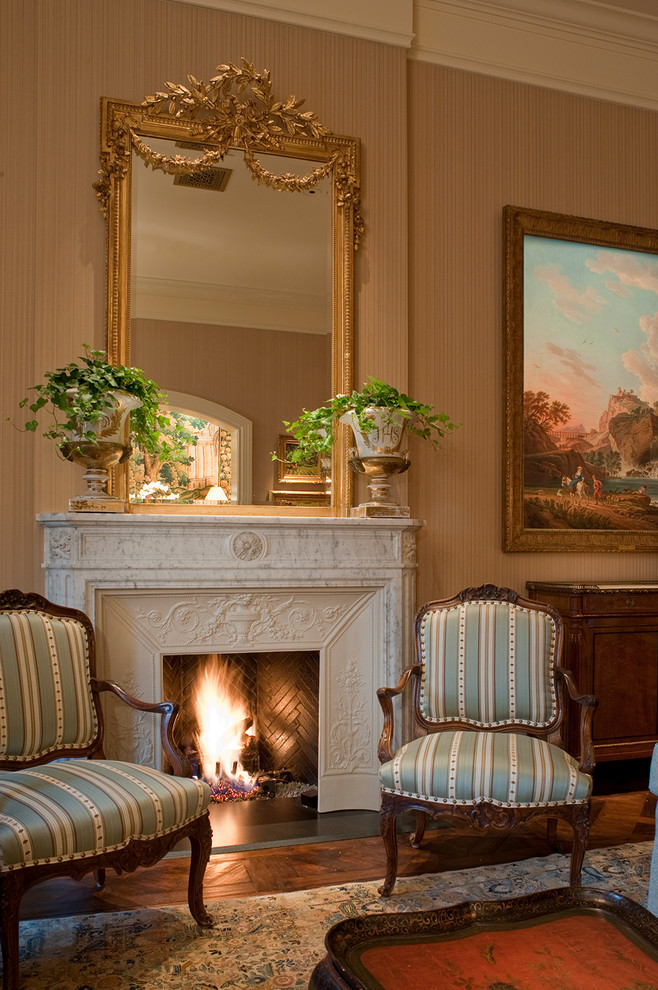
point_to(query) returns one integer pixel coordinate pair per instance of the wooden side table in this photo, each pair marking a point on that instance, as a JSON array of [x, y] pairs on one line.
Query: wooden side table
[[572, 937], [611, 647]]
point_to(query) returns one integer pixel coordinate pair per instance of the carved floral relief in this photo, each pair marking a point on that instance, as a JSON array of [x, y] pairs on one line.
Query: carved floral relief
[[242, 618], [350, 738]]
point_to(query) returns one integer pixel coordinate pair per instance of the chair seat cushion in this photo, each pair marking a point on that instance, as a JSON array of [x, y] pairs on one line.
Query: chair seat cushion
[[70, 809], [502, 768]]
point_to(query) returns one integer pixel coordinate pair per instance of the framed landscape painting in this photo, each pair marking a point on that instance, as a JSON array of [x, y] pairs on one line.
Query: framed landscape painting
[[581, 384]]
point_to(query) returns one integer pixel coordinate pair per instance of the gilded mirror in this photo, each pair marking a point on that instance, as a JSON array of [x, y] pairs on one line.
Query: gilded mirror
[[232, 223]]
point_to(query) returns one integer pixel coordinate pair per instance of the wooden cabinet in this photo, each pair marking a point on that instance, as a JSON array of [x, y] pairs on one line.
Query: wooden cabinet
[[611, 646]]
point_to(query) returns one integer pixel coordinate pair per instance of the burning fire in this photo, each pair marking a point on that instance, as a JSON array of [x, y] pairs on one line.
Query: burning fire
[[223, 724]]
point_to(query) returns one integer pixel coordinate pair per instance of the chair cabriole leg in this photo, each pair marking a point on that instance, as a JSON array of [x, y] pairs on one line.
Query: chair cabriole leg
[[200, 842], [417, 836], [551, 835], [580, 824], [387, 823]]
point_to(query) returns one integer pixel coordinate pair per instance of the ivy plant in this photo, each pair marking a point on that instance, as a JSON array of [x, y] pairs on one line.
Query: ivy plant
[[314, 428], [93, 378]]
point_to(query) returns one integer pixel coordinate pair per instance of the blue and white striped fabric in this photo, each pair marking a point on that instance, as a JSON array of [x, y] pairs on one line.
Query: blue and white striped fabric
[[502, 768], [45, 692], [71, 809], [488, 663]]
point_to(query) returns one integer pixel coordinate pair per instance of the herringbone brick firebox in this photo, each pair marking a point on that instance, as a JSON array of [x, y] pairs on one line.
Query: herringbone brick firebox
[[280, 690]]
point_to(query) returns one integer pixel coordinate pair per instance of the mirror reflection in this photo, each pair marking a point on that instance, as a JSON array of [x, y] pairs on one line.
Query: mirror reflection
[[235, 295], [230, 304]]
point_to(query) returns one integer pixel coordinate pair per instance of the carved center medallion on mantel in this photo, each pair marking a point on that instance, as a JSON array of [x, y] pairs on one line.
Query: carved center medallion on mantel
[[247, 545]]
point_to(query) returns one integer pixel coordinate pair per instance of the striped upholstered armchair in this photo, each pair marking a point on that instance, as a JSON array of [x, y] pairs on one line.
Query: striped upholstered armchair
[[489, 707], [64, 809]]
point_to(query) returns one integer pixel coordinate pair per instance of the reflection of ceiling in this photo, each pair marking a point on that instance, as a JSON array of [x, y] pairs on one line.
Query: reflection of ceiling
[[248, 256]]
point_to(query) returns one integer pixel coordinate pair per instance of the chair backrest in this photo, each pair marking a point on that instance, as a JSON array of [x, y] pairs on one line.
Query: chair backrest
[[488, 659], [47, 708]]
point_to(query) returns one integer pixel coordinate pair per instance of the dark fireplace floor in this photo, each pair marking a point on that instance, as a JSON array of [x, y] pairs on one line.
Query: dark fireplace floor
[[283, 821]]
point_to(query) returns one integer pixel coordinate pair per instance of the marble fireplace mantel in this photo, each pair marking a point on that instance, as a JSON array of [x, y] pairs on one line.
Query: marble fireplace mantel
[[156, 585]]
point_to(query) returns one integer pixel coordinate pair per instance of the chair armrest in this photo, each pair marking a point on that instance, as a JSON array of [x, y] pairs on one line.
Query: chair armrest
[[169, 712], [588, 705], [386, 695]]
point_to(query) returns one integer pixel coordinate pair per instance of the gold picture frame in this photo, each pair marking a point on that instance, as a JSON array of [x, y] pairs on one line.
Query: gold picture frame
[[292, 472], [300, 499], [581, 416]]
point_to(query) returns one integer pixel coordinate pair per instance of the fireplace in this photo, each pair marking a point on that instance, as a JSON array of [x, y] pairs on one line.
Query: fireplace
[[157, 586], [276, 694]]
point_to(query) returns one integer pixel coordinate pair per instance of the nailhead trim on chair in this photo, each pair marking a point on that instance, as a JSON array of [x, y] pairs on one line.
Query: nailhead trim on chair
[[488, 637], [505, 769], [71, 809]]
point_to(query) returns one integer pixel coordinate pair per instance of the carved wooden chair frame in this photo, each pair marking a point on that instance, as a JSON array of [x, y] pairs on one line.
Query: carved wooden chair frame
[[138, 852], [484, 815]]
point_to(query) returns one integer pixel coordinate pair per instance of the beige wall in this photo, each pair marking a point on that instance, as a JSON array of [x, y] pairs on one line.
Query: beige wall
[[444, 169], [59, 57], [265, 375], [476, 144]]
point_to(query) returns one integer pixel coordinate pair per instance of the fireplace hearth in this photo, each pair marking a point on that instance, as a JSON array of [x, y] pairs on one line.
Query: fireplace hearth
[[157, 586]]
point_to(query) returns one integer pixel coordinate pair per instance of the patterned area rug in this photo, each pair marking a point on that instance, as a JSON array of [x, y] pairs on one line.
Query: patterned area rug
[[275, 941]]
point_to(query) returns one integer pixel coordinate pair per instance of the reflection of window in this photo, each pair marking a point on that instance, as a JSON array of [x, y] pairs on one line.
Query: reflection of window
[[237, 478], [200, 459]]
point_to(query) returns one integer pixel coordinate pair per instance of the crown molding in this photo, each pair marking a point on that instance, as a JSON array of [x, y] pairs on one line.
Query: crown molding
[[386, 21], [607, 49], [579, 46], [214, 304]]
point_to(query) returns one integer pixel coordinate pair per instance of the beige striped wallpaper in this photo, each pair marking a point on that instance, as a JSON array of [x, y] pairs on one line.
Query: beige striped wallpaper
[[265, 375], [476, 144], [443, 151]]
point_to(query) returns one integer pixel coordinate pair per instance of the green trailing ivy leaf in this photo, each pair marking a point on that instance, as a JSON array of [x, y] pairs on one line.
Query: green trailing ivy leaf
[[314, 428], [94, 378]]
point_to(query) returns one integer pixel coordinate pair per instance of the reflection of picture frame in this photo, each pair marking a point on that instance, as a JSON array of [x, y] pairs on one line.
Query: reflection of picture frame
[[289, 472], [308, 499], [581, 384]]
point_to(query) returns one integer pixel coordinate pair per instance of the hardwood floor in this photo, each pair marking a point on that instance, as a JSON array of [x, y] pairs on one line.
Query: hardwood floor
[[616, 819]]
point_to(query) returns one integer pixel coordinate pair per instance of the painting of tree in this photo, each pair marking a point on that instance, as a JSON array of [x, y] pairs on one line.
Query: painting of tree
[[582, 379]]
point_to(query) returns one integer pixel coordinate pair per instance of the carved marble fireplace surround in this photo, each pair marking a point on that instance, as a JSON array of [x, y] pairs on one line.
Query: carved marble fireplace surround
[[156, 585]]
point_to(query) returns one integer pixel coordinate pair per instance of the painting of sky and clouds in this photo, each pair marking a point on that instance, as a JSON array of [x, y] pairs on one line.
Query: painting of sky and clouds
[[590, 386], [591, 324]]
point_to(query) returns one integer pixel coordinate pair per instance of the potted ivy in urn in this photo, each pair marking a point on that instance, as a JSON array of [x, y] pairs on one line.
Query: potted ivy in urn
[[380, 417], [97, 412]]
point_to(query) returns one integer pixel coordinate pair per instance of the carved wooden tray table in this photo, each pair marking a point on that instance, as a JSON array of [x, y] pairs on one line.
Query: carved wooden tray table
[[564, 939]]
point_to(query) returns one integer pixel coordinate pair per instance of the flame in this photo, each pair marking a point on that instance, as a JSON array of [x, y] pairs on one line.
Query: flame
[[221, 717]]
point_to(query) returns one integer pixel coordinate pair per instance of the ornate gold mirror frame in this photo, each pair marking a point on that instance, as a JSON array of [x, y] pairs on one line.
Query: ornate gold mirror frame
[[235, 110]]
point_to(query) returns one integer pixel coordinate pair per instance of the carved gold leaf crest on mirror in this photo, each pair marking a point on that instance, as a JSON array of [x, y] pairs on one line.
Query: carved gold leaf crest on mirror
[[239, 306]]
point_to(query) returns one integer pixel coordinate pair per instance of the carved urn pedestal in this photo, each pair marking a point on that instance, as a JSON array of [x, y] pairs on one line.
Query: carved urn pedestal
[[98, 456], [379, 454]]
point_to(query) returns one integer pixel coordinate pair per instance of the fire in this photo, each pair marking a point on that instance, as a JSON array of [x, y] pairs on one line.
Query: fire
[[223, 723]]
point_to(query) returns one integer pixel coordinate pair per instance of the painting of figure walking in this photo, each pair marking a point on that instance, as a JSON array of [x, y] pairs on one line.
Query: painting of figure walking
[[581, 383]]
